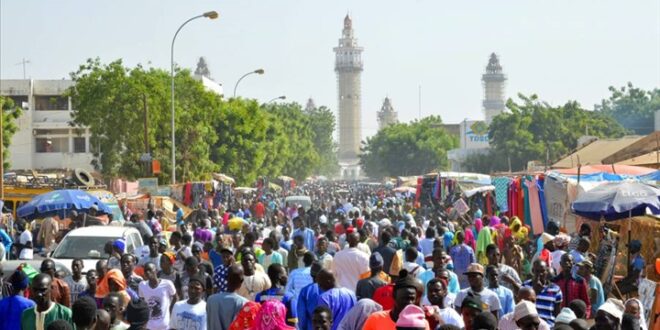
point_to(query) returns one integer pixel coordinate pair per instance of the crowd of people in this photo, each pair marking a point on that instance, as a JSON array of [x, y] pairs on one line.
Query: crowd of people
[[362, 258]]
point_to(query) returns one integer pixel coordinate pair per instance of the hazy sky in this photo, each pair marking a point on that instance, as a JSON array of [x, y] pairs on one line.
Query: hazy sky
[[560, 50]]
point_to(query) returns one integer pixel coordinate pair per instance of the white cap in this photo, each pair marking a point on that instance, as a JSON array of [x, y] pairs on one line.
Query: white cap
[[524, 308], [323, 219], [613, 307]]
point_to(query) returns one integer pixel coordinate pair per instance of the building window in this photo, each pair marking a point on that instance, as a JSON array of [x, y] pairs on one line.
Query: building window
[[20, 101], [79, 145], [50, 102], [55, 144]]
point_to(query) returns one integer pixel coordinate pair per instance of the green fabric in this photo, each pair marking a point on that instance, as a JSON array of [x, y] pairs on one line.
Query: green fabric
[[528, 214], [484, 239], [58, 312]]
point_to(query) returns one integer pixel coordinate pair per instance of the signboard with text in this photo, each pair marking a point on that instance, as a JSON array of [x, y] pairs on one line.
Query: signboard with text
[[474, 134]]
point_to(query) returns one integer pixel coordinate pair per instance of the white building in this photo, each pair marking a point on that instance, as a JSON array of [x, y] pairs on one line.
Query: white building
[[44, 139]]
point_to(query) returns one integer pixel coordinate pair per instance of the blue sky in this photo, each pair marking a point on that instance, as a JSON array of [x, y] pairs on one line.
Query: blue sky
[[561, 50]]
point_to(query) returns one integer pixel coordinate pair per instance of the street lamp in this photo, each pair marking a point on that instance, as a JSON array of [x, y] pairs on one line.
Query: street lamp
[[209, 15], [257, 71], [283, 97]]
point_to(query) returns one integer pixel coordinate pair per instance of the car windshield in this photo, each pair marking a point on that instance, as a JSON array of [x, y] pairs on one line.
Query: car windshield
[[82, 247]]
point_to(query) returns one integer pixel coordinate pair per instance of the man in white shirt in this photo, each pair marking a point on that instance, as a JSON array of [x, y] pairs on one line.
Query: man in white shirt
[[159, 295], [191, 313], [349, 264], [475, 275], [25, 240]]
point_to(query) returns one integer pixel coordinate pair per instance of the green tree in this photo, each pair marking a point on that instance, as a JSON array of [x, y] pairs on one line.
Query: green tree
[[632, 107], [322, 122], [110, 99], [242, 147], [10, 113], [535, 130], [300, 157], [407, 149]]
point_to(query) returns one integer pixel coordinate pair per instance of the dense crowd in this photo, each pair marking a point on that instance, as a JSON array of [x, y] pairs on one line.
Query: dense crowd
[[360, 257]]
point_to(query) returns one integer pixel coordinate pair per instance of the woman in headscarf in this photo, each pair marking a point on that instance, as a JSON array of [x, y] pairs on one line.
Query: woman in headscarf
[[469, 238], [272, 316], [484, 239], [246, 316], [356, 316], [635, 308], [518, 231], [114, 281]]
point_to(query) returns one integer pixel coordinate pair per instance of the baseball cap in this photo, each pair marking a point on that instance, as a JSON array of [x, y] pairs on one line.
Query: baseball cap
[[586, 263], [472, 301]]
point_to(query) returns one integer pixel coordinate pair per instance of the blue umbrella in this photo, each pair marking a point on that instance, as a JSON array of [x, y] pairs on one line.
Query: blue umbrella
[[617, 200], [58, 202]]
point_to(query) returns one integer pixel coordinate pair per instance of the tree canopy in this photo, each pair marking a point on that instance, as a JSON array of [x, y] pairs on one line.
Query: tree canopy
[[238, 137], [535, 130], [10, 113], [407, 149], [632, 107]]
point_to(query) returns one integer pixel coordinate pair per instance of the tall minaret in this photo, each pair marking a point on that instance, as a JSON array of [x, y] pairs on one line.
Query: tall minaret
[[493, 81], [348, 66], [386, 116]]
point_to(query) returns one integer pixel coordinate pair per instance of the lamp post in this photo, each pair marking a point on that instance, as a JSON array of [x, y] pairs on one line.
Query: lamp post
[[283, 97], [209, 15], [257, 71]]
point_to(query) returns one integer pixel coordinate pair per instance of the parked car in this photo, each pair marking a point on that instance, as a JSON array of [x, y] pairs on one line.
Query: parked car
[[87, 243]]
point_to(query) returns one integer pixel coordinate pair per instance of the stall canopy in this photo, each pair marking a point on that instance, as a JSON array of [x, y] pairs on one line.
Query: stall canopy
[[617, 200], [61, 202]]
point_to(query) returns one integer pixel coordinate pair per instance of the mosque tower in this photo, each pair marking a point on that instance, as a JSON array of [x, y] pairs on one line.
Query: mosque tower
[[493, 81], [386, 116], [348, 66]]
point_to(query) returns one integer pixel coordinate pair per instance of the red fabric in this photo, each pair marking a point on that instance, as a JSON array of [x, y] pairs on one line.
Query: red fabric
[[259, 210], [385, 296], [572, 289], [187, 194]]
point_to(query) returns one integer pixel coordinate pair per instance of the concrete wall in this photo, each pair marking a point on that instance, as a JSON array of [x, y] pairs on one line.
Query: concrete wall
[[350, 114]]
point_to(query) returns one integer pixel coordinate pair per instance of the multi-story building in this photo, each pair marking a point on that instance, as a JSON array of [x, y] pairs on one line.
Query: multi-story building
[[44, 139]]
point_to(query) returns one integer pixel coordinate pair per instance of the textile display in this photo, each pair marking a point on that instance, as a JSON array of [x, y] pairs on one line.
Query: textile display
[[534, 207], [501, 193]]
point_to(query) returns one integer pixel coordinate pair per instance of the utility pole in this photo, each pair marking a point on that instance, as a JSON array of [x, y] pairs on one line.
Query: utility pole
[[23, 62], [147, 155]]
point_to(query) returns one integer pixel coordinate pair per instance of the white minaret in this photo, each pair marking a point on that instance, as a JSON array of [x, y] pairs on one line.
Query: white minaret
[[348, 66], [493, 81], [386, 116]]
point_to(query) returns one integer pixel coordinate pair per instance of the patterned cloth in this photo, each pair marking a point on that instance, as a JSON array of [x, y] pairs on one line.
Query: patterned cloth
[[220, 277], [501, 191], [245, 318], [546, 301]]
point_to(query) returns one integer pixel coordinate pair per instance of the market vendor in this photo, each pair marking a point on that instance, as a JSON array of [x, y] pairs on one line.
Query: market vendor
[[636, 269]]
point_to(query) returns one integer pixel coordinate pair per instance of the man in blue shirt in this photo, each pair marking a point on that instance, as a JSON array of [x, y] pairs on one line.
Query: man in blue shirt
[[306, 233], [308, 300], [12, 307], [462, 255], [503, 294]]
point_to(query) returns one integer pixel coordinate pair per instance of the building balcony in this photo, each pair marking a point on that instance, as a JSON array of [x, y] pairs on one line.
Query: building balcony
[[51, 116], [63, 160]]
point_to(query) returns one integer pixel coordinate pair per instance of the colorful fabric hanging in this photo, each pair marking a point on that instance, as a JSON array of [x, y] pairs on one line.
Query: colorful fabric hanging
[[501, 193]]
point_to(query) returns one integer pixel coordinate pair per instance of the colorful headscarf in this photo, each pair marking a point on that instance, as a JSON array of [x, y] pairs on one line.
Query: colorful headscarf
[[494, 221], [103, 287], [272, 316], [357, 316], [484, 239], [478, 224], [246, 316], [469, 239]]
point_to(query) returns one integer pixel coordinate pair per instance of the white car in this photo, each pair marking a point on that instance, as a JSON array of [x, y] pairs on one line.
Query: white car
[[87, 243]]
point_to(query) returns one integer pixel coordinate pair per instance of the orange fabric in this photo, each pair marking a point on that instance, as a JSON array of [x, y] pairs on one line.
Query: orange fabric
[[382, 275], [379, 321], [103, 288]]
